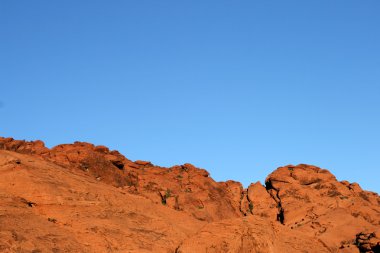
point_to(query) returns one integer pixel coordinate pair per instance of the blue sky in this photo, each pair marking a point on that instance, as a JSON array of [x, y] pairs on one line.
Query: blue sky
[[236, 87]]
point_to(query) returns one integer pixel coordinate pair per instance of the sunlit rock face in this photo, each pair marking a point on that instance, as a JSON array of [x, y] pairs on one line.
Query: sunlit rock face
[[85, 198]]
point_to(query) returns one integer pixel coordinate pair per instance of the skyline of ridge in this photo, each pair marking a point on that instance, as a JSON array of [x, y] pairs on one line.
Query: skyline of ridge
[[237, 88]]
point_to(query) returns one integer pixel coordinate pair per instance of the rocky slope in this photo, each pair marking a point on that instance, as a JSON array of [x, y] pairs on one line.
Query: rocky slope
[[85, 198]]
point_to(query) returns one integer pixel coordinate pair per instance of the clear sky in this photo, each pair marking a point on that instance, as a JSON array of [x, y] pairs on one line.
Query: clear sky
[[236, 87]]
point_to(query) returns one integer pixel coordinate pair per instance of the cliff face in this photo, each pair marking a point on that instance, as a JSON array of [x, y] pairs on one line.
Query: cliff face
[[85, 198]]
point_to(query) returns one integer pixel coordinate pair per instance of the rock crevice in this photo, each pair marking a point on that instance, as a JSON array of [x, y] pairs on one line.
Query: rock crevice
[[274, 193]]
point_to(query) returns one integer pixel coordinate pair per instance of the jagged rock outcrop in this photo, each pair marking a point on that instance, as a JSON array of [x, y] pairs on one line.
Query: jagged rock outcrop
[[311, 200], [182, 187], [85, 198]]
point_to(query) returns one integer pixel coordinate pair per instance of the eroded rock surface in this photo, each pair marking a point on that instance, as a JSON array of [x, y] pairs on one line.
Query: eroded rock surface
[[85, 198]]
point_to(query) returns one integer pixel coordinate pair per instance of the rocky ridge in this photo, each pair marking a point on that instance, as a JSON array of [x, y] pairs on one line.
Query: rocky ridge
[[85, 198]]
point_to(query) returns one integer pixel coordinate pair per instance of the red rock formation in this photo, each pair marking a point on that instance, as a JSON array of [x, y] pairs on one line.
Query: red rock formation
[[85, 198]]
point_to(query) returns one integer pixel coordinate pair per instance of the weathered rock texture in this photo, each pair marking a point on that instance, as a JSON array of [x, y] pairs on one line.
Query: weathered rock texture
[[85, 198]]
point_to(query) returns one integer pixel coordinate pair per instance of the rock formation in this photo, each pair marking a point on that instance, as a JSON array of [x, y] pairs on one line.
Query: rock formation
[[84, 198]]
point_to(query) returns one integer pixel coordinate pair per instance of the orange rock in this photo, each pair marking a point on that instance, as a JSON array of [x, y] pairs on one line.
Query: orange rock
[[84, 198]]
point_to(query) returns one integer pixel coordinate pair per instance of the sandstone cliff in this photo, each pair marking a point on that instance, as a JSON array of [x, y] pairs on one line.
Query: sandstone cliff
[[85, 198]]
